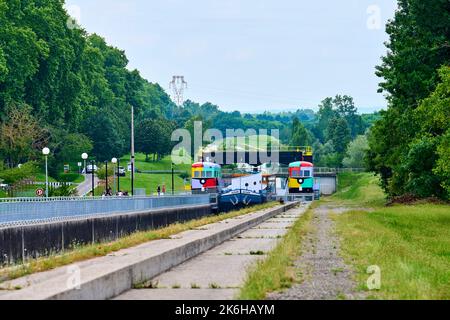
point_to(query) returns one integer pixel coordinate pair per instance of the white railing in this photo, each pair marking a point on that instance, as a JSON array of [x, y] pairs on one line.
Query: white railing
[[19, 210]]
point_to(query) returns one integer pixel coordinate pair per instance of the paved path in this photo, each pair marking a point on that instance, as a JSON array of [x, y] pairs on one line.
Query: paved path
[[325, 274], [85, 187], [218, 273]]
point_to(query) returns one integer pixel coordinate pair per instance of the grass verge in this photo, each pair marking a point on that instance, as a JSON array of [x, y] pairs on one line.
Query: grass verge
[[277, 271], [98, 250], [410, 244], [358, 189]]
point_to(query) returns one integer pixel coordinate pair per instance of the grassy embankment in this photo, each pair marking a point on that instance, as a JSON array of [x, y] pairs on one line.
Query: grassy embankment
[[150, 182], [98, 250], [411, 245]]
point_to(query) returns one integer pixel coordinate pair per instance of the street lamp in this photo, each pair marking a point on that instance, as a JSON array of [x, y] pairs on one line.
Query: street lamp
[[84, 156], [173, 184], [93, 177], [46, 152], [106, 173], [114, 161]]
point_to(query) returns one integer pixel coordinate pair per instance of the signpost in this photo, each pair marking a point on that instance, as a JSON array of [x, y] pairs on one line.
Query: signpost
[[40, 192]]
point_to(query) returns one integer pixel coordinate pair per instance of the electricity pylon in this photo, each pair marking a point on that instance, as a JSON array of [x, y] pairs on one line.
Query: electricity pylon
[[178, 85]]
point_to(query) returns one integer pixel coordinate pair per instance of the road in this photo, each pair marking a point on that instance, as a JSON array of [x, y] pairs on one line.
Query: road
[[219, 273], [86, 187]]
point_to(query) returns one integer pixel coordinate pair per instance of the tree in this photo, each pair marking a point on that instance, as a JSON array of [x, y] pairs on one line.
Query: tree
[[300, 135], [356, 153], [346, 109], [339, 133], [154, 137], [325, 115], [102, 130], [442, 167], [417, 48], [148, 132], [22, 135]]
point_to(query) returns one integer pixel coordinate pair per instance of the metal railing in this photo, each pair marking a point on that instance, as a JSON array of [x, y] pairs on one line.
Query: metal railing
[[14, 212]]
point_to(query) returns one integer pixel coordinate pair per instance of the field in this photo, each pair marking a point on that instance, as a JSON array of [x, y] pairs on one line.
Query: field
[[410, 243]]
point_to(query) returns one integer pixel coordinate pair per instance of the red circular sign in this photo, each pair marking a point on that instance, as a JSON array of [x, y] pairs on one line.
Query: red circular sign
[[40, 192]]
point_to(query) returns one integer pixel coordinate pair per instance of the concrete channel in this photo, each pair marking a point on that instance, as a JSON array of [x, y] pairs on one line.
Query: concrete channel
[[213, 259], [219, 273]]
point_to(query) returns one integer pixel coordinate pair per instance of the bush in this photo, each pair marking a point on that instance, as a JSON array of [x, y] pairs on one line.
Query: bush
[[11, 176], [68, 177]]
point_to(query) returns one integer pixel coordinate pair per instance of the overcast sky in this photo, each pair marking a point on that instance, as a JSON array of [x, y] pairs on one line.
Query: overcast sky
[[250, 55]]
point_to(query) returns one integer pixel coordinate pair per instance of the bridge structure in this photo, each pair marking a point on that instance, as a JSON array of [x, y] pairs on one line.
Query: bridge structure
[[283, 156]]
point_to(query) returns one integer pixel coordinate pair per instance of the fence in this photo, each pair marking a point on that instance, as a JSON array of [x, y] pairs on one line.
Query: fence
[[30, 210], [285, 171]]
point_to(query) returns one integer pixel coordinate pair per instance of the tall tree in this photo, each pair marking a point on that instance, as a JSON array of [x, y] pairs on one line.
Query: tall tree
[[418, 46]]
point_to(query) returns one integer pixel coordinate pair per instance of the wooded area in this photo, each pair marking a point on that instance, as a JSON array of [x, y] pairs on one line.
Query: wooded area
[[66, 89]]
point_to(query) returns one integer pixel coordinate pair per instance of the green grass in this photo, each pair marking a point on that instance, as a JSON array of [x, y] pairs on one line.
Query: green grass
[[150, 182], [40, 177], [358, 189], [86, 252], [410, 243], [80, 179], [277, 271], [164, 164]]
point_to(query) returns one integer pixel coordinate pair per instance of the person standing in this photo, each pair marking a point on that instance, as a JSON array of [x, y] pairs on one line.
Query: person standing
[[159, 191]]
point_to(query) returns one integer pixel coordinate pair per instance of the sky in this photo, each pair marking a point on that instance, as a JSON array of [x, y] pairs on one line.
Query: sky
[[250, 55]]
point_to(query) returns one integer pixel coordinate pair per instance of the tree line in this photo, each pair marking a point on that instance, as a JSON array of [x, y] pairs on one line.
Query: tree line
[[66, 89], [410, 144]]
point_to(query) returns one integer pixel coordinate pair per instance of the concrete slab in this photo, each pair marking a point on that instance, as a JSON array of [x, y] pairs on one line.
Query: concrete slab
[[175, 294], [244, 246], [207, 270], [263, 233], [274, 225]]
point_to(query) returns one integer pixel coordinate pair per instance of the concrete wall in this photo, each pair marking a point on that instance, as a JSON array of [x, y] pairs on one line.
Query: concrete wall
[[328, 183], [18, 244]]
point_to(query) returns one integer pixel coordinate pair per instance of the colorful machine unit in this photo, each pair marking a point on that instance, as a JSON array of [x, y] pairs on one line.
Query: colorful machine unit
[[301, 177], [206, 177]]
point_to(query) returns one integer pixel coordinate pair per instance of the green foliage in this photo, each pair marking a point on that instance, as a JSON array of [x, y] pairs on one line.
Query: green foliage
[[101, 172], [65, 190], [69, 177], [14, 175], [417, 167], [300, 135], [22, 135], [442, 169], [339, 133], [418, 47], [356, 153], [154, 137], [71, 80]]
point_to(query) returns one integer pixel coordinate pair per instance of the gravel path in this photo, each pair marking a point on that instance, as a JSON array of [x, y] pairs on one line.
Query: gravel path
[[325, 275]]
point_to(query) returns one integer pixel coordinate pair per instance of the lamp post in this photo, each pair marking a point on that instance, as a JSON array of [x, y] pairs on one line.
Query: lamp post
[[106, 174], [85, 156], [114, 162], [173, 184], [46, 152], [118, 175], [93, 178]]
